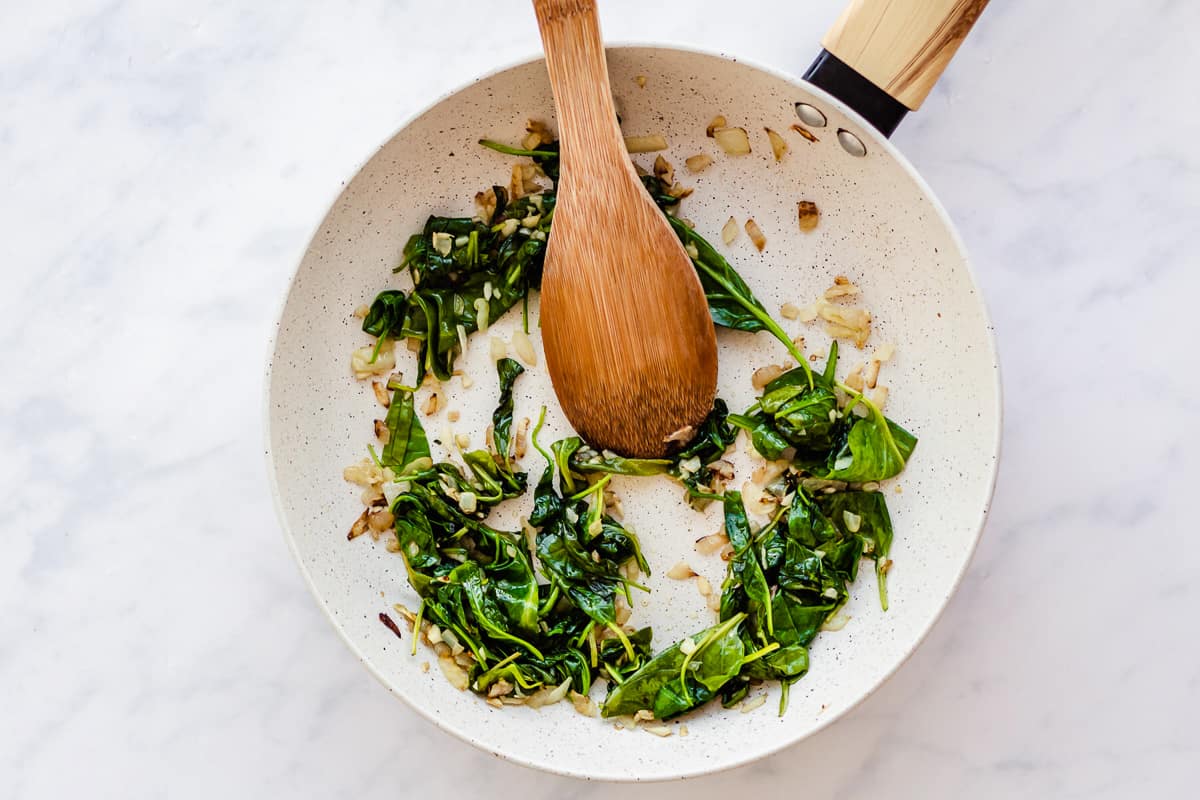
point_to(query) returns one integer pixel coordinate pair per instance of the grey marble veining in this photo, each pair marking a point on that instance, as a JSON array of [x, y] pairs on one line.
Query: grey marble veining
[[163, 165]]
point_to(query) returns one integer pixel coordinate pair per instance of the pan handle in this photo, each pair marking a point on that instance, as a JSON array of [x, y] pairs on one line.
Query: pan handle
[[882, 57]]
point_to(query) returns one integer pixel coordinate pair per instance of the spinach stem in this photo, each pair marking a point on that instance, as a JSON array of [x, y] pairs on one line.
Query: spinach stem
[[614, 673], [762, 317], [375, 352], [757, 654], [612, 626], [534, 436], [584, 635], [713, 635], [417, 625], [761, 536], [483, 679], [548, 606], [509, 150], [598, 485]]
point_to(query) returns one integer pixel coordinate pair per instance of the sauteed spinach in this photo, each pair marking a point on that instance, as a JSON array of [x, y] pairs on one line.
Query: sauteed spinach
[[467, 272], [533, 613]]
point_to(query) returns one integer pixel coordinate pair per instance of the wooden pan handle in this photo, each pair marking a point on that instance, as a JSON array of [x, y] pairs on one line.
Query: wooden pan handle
[[902, 46]]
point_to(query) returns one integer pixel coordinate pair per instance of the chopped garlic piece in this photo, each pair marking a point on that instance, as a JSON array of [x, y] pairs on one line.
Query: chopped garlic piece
[[385, 361], [442, 242], [730, 231], [778, 146], [645, 144], [681, 572], [756, 234], [809, 215], [734, 141], [524, 347]]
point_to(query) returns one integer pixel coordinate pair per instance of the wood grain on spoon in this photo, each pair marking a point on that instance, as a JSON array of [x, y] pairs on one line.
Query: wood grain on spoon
[[629, 341]]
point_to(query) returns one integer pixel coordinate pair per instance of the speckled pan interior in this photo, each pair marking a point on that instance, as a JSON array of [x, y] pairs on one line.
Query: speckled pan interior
[[880, 226]]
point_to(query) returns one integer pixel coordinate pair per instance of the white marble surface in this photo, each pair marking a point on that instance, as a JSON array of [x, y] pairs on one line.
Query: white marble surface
[[163, 164]]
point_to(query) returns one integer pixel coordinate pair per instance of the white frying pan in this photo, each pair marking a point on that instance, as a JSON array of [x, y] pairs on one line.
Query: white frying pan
[[880, 226]]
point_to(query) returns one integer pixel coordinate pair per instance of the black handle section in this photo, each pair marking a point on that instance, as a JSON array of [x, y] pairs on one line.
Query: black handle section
[[878, 107]]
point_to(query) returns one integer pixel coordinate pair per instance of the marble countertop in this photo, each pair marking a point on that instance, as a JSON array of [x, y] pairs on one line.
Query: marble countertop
[[163, 165]]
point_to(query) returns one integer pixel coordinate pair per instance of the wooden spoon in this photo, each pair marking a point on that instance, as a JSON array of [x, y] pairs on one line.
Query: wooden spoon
[[629, 341]]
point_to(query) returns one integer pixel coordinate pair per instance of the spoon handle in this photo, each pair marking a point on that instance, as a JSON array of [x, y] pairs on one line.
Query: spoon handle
[[587, 120]]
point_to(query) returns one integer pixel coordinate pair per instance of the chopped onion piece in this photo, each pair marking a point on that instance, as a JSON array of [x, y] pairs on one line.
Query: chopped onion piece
[[645, 144], [707, 545], [698, 162], [730, 231], [381, 395], [836, 622], [524, 347], [871, 377], [548, 695], [805, 132], [855, 379], [385, 360], [809, 215], [681, 572], [717, 122], [664, 171], [442, 242], [756, 234], [457, 676], [754, 702], [764, 375], [584, 704], [778, 146], [481, 314], [734, 141], [842, 287]]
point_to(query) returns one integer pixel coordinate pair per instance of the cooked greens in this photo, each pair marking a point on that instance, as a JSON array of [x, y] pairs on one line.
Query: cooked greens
[[692, 464], [467, 272], [529, 614], [784, 582], [478, 585]]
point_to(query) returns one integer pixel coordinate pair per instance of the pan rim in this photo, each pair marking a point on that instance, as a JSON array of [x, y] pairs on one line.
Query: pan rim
[[775, 746]]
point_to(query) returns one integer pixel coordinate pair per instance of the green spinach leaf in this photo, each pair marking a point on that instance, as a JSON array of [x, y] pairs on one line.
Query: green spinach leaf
[[406, 442]]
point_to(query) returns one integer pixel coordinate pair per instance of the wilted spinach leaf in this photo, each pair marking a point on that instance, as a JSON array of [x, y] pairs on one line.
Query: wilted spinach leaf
[[406, 438], [864, 515], [502, 417], [873, 448], [675, 681]]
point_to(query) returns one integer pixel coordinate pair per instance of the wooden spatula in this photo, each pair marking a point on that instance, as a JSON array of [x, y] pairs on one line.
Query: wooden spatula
[[629, 341]]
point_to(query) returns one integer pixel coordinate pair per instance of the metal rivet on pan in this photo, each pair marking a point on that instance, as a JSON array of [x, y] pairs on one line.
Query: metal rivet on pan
[[810, 115], [851, 143]]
